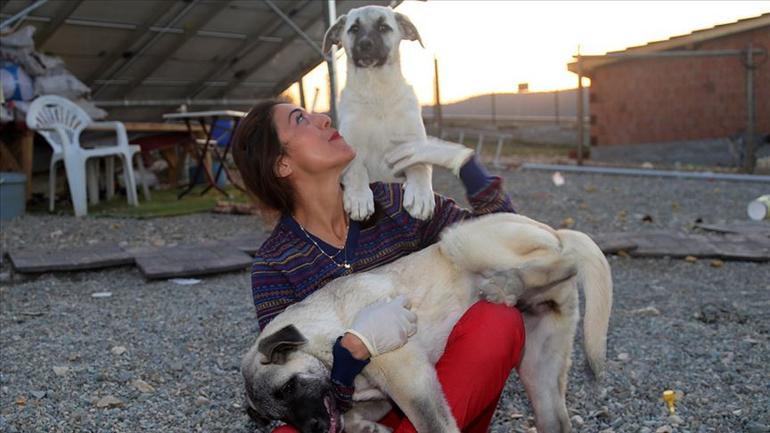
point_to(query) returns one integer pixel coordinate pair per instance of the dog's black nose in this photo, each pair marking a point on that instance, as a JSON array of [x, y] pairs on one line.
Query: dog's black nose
[[365, 44], [317, 425]]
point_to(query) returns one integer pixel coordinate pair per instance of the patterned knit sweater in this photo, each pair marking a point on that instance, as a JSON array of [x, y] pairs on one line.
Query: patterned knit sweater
[[288, 267]]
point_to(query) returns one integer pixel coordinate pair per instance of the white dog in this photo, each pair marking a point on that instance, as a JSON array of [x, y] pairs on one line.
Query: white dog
[[378, 108], [287, 370]]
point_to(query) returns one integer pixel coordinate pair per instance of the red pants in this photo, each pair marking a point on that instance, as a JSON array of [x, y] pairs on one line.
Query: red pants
[[483, 347]]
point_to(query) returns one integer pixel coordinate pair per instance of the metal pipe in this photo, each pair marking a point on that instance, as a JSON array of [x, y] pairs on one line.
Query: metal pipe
[[294, 26], [155, 29], [646, 172], [329, 18], [22, 13], [172, 102], [750, 140], [580, 114], [146, 46]]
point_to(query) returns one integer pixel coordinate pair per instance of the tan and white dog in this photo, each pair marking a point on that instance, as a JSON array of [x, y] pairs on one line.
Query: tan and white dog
[[503, 257], [378, 108]]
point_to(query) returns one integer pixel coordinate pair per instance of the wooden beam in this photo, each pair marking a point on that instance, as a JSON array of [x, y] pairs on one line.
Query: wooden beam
[[56, 22], [190, 31], [231, 59], [160, 10], [264, 59]]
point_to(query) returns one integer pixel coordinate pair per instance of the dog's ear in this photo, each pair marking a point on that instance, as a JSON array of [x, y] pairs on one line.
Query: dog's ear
[[408, 30], [275, 347], [332, 36]]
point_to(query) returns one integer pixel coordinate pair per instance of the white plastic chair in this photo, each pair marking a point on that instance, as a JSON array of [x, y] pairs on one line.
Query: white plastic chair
[[61, 122]]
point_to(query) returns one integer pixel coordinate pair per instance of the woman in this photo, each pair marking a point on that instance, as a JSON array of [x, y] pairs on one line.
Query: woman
[[292, 162]]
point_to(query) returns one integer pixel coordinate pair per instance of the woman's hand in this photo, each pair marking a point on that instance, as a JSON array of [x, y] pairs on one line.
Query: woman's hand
[[379, 328], [429, 151]]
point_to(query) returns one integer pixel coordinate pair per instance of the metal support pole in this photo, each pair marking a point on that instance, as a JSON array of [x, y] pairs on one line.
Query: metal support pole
[[329, 18], [496, 161], [494, 109], [294, 26], [437, 114], [22, 13], [580, 115], [302, 93], [750, 140], [556, 106]]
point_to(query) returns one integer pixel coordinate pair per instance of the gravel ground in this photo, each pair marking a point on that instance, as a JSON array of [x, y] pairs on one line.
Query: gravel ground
[[164, 357]]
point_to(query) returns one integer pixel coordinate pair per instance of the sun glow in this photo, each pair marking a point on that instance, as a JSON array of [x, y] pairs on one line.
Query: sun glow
[[491, 46]]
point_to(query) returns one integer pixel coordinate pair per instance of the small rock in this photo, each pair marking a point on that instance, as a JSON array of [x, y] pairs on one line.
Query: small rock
[[690, 259], [201, 401], [755, 427], [142, 386], [118, 350], [38, 394], [646, 311], [517, 415], [664, 429], [625, 357], [607, 430], [644, 430], [101, 294], [577, 420], [108, 401], [675, 420], [60, 371]]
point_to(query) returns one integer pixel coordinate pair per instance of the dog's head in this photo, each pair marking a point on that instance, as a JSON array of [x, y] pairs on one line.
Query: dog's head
[[284, 383], [370, 35]]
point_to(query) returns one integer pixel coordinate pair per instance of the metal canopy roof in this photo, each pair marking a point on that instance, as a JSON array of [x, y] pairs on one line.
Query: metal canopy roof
[[143, 57]]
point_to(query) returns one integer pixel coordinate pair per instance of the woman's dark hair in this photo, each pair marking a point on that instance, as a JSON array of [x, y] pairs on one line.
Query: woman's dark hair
[[256, 151]]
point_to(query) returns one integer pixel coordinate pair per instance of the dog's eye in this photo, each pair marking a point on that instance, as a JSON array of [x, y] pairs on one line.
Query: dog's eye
[[384, 28], [288, 388], [353, 28]]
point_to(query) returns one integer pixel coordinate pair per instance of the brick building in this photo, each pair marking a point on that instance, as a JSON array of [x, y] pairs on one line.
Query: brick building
[[650, 100]]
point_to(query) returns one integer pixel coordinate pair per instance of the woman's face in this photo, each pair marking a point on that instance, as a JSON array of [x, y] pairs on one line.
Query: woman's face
[[312, 145]]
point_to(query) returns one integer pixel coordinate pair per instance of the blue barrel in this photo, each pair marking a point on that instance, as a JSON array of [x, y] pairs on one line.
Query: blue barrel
[[13, 198]]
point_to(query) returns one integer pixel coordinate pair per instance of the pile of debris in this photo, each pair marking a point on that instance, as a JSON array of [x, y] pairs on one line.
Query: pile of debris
[[26, 73]]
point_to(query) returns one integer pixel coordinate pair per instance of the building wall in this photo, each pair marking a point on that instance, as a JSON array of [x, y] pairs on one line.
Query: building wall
[[676, 99]]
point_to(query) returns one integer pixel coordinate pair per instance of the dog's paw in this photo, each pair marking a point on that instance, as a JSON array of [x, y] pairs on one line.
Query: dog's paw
[[359, 204], [418, 201]]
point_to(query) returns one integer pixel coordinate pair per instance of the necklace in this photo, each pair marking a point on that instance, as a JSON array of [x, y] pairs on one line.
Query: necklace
[[345, 263]]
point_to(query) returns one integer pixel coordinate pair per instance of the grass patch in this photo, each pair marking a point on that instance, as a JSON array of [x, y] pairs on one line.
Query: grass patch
[[164, 203]]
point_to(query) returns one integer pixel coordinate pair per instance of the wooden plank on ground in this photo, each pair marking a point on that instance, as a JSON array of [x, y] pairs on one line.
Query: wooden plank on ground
[[671, 244], [678, 244], [611, 243], [190, 260], [745, 228], [248, 243], [71, 259]]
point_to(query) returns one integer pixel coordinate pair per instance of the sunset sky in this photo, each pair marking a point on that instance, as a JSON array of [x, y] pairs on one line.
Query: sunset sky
[[491, 46]]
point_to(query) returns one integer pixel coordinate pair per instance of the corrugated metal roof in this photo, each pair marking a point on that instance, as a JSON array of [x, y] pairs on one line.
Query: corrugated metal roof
[[674, 42], [171, 50]]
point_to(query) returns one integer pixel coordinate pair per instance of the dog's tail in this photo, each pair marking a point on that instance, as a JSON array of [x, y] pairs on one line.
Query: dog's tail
[[595, 277]]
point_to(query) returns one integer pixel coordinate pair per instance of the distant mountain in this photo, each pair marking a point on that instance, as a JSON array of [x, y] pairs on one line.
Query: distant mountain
[[516, 104]]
